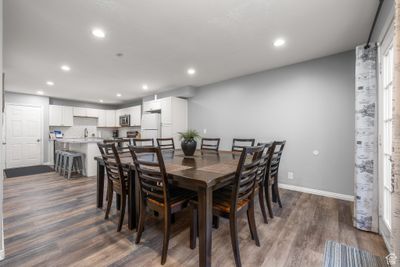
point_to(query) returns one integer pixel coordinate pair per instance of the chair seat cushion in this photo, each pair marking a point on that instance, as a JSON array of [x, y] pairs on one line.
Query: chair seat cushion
[[179, 197]]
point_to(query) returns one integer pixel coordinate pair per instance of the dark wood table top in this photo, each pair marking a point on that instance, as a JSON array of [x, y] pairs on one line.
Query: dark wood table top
[[204, 168]]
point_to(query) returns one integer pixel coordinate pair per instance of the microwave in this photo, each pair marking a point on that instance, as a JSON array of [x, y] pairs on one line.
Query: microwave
[[125, 120]]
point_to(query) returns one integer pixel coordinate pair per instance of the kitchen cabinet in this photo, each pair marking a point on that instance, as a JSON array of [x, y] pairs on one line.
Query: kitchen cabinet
[[152, 105], [136, 115], [60, 115], [80, 112], [91, 112], [101, 122], [110, 118], [166, 110]]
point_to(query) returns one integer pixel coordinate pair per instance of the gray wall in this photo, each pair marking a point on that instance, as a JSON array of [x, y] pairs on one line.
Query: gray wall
[[386, 14], [42, 101], [74, 103], [310, 105]]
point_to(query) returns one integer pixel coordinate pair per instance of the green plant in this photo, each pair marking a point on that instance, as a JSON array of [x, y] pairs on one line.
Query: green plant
[[189, 135]]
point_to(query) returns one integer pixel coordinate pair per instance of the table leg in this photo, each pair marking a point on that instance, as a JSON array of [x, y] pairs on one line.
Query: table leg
[[100, 185], [131, 200], [205, 226], [137, 198]]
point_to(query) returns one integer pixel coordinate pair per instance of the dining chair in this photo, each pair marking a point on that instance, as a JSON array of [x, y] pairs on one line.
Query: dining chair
[[231, 201], [121, 144], [210, 144], [166, 143], [261, 177], [277, 149], [146, 142], [117, 180], [238, 143], [156, 193]]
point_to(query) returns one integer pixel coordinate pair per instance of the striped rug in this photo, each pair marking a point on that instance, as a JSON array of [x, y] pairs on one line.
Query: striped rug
[[340, 255]]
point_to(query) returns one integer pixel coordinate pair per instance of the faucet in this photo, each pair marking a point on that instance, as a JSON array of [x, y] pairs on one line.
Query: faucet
[[86, 133]]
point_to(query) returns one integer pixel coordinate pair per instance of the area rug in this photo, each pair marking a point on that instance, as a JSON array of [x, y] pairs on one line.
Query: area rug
[[24, 171], [340, 255]]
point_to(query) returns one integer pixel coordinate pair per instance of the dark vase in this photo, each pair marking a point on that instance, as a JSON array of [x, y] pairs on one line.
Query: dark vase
[[188, 147]]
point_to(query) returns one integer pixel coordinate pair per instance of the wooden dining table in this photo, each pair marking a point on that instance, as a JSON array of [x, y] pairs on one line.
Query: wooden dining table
[[203, 173]]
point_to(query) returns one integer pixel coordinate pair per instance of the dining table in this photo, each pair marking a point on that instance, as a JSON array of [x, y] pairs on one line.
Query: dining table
[[204, 172]]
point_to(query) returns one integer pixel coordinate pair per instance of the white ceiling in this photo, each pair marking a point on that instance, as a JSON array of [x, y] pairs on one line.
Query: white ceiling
[[161, 39]]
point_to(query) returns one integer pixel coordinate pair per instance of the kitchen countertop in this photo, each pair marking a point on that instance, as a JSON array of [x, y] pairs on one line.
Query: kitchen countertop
[[80, 140]]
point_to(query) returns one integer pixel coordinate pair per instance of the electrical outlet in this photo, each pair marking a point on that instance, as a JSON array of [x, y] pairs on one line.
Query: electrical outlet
[[290, 175]]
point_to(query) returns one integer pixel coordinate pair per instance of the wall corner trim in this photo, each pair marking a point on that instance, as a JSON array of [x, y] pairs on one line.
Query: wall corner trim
[[317, 192]]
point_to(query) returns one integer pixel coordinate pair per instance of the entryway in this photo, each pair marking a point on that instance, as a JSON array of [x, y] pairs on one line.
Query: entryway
[[24, 146]]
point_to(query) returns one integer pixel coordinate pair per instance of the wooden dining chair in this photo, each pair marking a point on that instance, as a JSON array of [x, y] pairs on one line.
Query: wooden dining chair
[[117, 180], [261, 177], [146, 142], [231, 201], [238, 143], [210, 144], [121, 144], [166, 143], [156, 193], [277, 149]]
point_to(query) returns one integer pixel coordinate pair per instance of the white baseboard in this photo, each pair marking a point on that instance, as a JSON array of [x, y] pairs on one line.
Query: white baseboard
[[317, 192]]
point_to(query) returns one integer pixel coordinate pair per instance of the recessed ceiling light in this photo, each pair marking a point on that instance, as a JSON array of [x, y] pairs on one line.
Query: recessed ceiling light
[[40, 92], [50, 83], [119, 95], [99, 33], [101, 101], [145, 87], [65, 68], [279, 42], [191, 71]]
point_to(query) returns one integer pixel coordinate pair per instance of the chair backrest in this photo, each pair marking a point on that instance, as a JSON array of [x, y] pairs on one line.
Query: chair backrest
[[146, 142], [150, 168], [210, 144], [121, 144], [238, 143], [166, 143], [246, 173], [276, 158], [113, 165], [265, 161]]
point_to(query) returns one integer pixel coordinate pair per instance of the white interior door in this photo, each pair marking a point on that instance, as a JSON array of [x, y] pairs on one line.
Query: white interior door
[[385, 144], [23, 135]]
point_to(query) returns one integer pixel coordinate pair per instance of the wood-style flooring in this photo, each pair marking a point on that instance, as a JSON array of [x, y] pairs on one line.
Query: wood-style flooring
[[51, 221]]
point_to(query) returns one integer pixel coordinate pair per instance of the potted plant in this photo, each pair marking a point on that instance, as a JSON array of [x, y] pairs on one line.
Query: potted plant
[[189, 143]]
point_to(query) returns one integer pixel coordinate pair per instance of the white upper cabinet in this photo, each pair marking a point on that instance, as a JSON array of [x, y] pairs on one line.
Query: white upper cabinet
[[152, 105], [110, 118], [101, 122], [91, 112], [166, 110], [67, 116], [60, 116], [136, 115], [80, 112]]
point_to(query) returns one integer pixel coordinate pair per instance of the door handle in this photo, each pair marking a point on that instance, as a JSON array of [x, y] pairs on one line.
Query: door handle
[[38, 140]]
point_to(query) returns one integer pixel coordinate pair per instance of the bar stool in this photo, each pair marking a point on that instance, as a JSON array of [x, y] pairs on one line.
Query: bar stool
[[73, 161], [60, 161]]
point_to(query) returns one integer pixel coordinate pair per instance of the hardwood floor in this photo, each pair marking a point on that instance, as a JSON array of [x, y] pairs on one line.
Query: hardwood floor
[[51, 221]]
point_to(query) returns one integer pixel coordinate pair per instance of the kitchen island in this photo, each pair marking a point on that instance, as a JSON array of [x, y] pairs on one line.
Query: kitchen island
[[87, 146]]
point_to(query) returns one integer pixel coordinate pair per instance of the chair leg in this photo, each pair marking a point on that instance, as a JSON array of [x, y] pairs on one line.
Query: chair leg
[[268, 199], [193, 229], [235, 241], [252, 223], [70, 164], [251, 229], [109, 199], [262, 204], [215, 222], [139, 229], [173, 219], [167, 228], [278, 198], [122, 212]]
